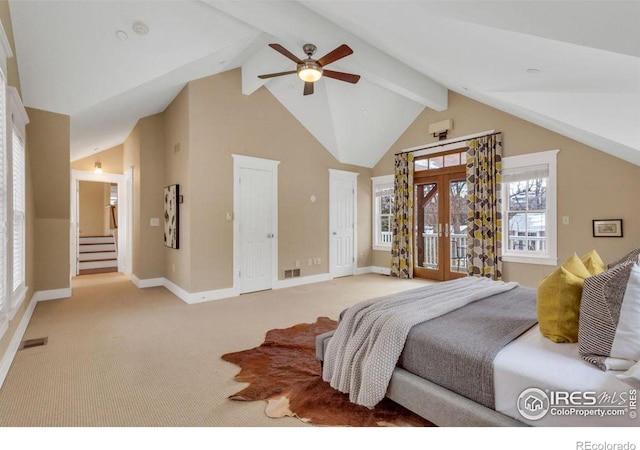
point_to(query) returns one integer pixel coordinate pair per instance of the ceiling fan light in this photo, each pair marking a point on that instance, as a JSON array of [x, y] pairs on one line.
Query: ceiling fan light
[[309, 71]]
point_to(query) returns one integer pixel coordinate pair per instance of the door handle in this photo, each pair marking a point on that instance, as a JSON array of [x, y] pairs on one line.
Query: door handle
[[439, 230], [446, 230], [270, 235]]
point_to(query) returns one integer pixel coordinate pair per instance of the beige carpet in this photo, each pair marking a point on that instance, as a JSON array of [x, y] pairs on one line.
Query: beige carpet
[[122, 356]]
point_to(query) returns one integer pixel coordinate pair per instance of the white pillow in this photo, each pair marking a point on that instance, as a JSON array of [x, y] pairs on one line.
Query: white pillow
[[626, 343], [632, 376]]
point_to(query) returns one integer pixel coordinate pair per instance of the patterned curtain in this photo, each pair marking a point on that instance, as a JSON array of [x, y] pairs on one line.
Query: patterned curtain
[[402, 244], [484, 219]]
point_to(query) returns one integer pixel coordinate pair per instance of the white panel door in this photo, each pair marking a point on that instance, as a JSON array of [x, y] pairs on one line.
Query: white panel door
[[255, 228], [342, 223]]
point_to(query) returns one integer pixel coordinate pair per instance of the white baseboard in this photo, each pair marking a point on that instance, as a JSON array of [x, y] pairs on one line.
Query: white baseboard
[[206, 296], [373, 269], [219, 294], [53, 294], [381, 270], [299, 281], [147, 283], [10, 353]]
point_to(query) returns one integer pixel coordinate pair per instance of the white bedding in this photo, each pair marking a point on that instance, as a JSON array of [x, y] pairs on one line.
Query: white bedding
[[534, 361]]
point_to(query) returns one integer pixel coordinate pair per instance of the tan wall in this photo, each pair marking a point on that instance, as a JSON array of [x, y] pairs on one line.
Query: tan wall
[[47, 143], [223, 122], [112, 161], [144, 150], [591, 184], [176, 158], [91, 209]]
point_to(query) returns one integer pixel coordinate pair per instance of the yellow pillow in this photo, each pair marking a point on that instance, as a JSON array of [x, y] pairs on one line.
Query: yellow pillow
[[593, 263], [559, 301]]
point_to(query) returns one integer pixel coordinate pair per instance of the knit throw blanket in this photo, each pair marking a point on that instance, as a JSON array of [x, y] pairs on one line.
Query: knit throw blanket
[[364, 350]]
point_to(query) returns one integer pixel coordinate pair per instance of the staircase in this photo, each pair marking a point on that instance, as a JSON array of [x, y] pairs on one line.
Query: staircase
[[97, 255]]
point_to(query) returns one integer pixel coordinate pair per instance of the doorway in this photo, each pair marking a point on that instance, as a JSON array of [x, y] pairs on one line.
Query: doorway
[[255, 210], [440, 219], [122, 195], [342, 222]]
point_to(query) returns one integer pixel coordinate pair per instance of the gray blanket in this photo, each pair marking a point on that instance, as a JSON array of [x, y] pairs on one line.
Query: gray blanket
[[456, 350], [364, 350]]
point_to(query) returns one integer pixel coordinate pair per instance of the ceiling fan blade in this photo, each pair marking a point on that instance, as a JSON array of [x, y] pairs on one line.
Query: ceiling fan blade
[[348, 77], [279, 48], [308, 87], [271, 75], [338, 53]]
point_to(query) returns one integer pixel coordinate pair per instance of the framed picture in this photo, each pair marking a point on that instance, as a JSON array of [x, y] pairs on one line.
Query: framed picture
[[171, 216], [607, 228]]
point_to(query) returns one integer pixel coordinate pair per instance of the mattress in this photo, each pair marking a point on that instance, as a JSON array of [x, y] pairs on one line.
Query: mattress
[[532, 361]]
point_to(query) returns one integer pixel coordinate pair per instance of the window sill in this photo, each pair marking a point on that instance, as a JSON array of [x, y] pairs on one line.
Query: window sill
[[529, 259], [381, 248]]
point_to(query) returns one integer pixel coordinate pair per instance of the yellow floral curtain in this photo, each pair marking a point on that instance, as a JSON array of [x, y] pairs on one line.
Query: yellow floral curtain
[[484, 217], [402, 244]]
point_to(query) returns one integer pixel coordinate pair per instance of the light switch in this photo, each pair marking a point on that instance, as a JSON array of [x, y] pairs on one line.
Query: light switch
[[565, 220], [229, 215], [154, 222]]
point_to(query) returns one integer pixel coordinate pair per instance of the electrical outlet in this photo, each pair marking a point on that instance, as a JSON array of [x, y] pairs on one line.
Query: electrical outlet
[[297, 264], [319, 261], [310, 262]]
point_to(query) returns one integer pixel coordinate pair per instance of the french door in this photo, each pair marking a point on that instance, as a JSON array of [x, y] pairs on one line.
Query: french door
[[440, 228]]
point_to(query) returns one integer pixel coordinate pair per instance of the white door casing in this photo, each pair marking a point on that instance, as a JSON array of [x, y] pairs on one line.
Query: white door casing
[[255, 223], [125, 202], [342, 222]]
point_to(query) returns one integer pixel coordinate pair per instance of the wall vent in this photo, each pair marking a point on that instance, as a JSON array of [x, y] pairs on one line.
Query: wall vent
[[291, 273], [29, 343]]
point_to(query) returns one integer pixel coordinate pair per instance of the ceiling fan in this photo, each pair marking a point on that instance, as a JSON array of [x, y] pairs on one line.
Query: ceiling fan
[[310, 70]]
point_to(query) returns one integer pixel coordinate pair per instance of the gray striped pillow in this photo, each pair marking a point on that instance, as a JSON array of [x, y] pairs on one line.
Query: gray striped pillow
[[634, 255], [602, 300]]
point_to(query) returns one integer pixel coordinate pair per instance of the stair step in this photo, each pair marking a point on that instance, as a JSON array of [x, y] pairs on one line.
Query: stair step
[[92, 248], [95, 256], [96, 240], [98, 270], [97, 264]]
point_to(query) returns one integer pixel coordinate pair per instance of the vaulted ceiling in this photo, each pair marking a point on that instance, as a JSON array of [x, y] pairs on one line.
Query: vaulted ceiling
[[586, 56]]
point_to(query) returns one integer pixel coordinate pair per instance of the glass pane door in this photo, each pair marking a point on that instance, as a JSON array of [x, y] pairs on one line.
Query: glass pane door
[[457, 227], [428, 231]]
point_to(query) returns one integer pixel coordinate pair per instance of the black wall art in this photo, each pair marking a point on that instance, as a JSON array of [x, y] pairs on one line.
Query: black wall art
[[171, 215]]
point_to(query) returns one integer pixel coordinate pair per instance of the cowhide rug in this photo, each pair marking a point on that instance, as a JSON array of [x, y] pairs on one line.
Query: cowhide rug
[[285, 373]]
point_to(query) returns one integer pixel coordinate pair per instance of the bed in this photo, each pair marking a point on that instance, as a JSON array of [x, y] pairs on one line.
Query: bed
[[429, 378]]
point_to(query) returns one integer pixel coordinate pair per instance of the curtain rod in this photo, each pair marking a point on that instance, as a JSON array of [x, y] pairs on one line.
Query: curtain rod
[[448, 142]]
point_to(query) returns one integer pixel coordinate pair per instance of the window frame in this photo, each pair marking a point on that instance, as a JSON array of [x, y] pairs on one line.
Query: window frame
[[5, 194], [16, 123], [531, 161], [379, 183]]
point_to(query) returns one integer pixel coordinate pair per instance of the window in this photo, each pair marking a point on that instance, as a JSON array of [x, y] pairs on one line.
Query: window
[[382, 194], [4, 197], [529, 208], [18, 162]]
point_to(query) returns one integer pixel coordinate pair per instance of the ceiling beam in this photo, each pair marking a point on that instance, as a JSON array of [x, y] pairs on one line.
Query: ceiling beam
[[294, 25]]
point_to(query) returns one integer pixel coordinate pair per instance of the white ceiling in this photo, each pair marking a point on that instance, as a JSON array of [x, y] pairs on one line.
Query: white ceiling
[[408, 53]]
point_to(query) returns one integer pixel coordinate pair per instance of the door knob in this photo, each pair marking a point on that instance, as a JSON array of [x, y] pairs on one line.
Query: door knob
[[334, 233], [270, 235]]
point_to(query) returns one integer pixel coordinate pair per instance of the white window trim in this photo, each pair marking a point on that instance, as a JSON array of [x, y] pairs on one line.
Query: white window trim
[[549, 158], [17, 120], [377, 182]]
